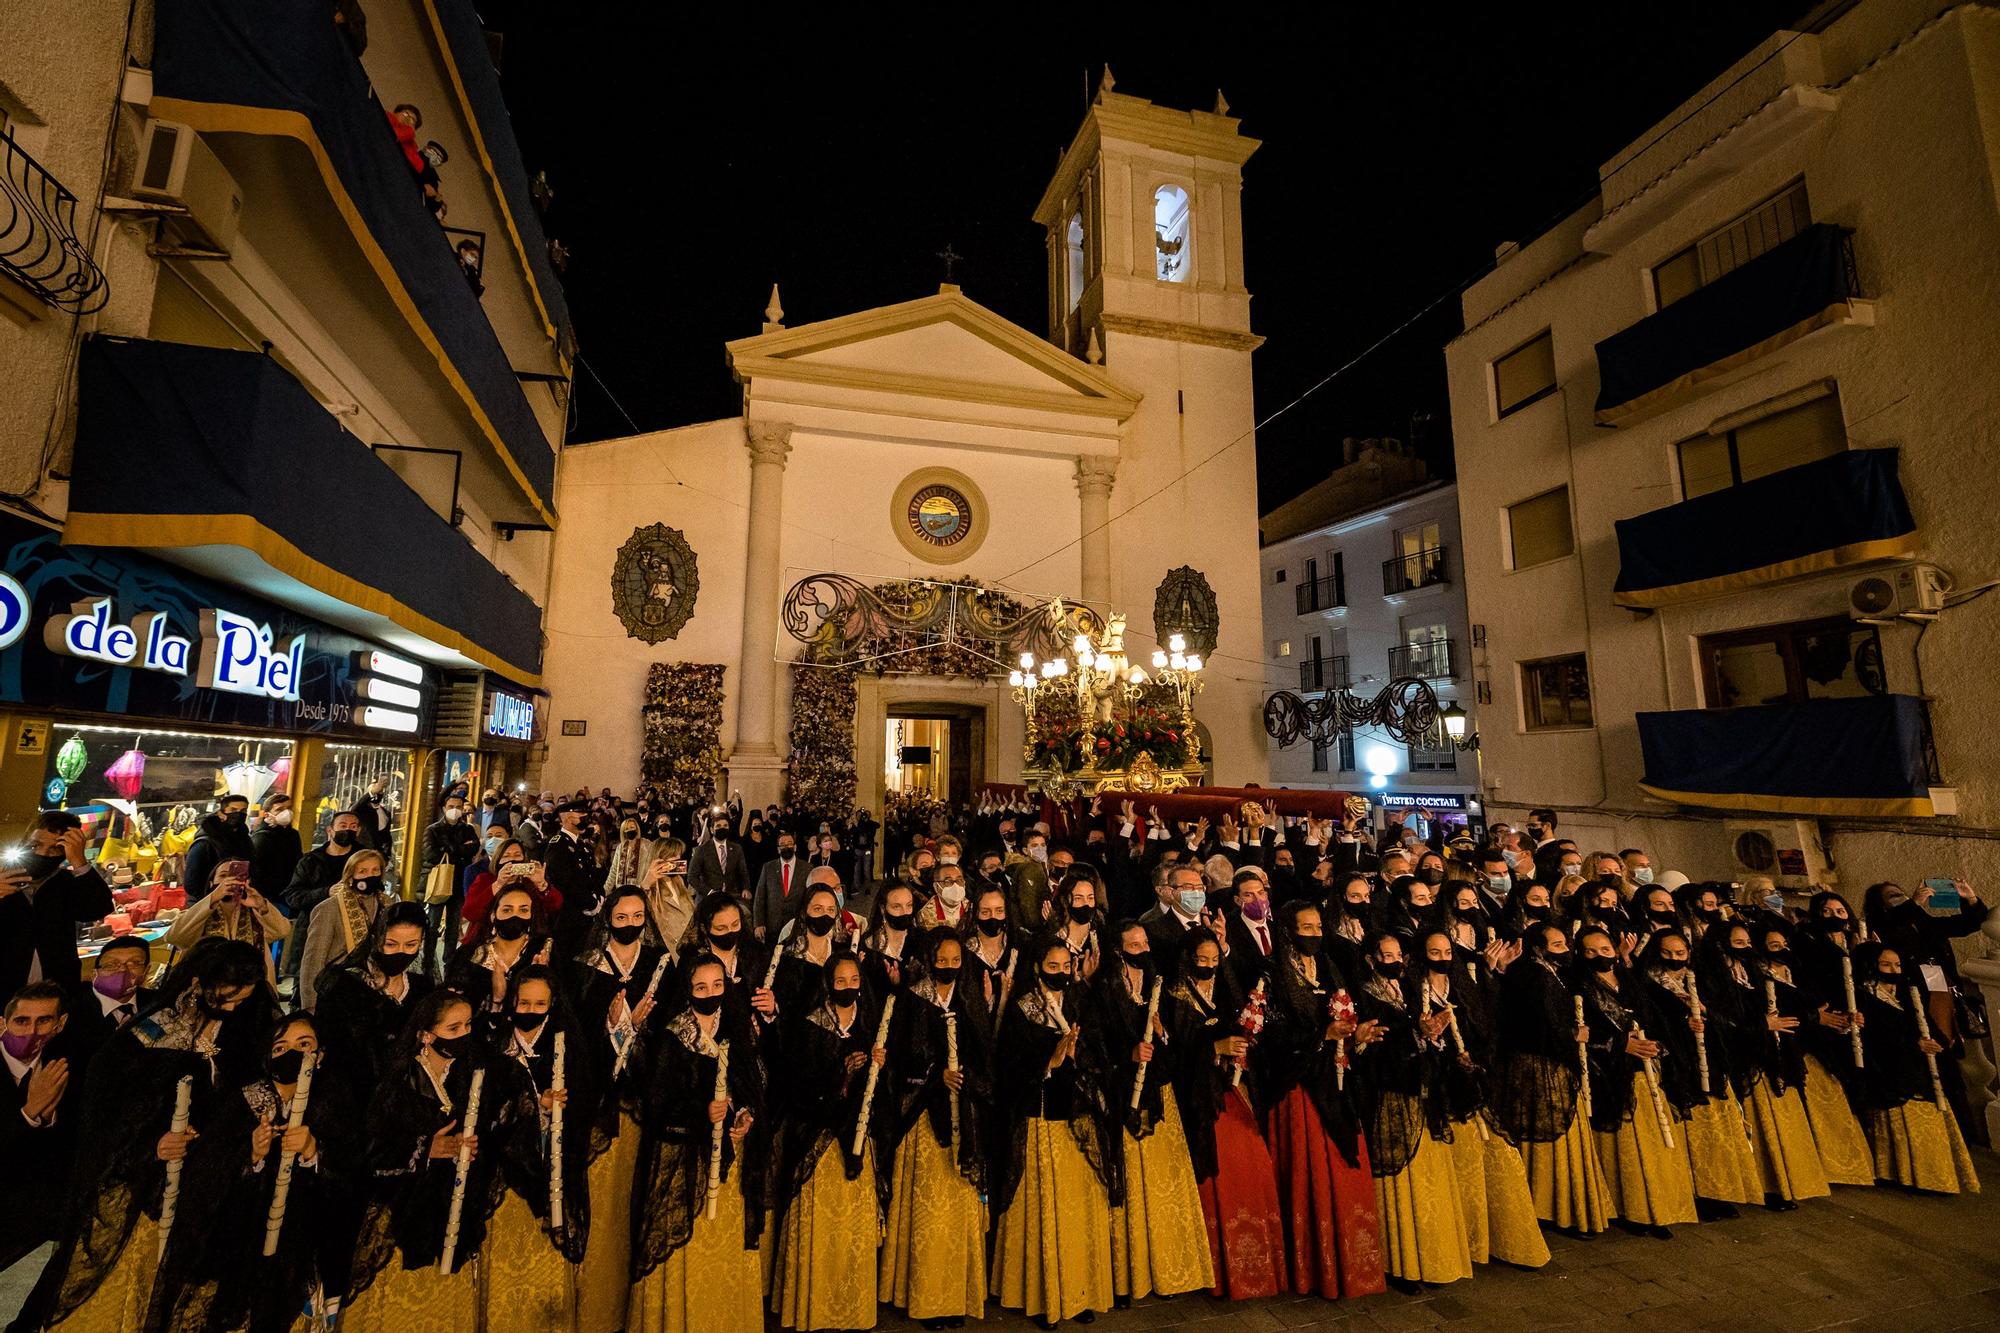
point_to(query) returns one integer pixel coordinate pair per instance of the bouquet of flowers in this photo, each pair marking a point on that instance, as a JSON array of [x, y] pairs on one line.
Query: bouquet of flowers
[[1119, 743]]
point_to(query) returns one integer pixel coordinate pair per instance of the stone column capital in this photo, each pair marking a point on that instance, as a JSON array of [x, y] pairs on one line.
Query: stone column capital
[[1095, 474], [768, 441]]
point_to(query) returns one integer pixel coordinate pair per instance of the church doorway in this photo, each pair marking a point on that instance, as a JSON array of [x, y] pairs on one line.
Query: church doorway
[[933, 752]]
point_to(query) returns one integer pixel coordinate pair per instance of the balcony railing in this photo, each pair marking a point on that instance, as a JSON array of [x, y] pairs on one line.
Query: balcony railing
[[1321, 595], [1323, 673], [1418, 569], [39, 247], [1432, 659]]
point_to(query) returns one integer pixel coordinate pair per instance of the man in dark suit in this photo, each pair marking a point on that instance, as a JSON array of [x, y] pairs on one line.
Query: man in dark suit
[[1251, 932], [38, 1120], [569, 867], [44, 892], [1182, 898], [113, 997], [778, 887], [718, 864]]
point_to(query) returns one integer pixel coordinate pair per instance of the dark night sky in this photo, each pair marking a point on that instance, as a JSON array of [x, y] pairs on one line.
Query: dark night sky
[[1401, 144]]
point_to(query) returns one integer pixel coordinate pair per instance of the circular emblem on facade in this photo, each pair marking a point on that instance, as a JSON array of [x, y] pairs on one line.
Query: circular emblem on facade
[[1185, 605], [940, 515], [654, 583]]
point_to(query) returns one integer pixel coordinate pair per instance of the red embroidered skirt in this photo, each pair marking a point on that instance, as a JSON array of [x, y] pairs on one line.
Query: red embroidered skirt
[[1240, 1205], [1333, 1236]]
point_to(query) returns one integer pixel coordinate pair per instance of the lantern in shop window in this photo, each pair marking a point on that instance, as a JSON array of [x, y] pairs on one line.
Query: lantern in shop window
[[281, 775], [127, 774], [71, 759]]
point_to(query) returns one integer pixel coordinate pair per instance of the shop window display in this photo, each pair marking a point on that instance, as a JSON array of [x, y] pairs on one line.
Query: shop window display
[[365, 779]]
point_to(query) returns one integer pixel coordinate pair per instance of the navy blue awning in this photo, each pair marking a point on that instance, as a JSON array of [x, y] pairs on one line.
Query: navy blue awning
[[1842, 510], [1865, 756], [180, 446], [280, 67], [1783, 294]]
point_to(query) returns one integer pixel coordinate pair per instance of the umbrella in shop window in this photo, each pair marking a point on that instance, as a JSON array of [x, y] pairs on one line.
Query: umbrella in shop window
[[250, 781], [127, 774]]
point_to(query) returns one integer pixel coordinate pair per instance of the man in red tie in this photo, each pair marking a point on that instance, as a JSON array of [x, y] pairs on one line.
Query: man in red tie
[[1249, 928], [771, 904]]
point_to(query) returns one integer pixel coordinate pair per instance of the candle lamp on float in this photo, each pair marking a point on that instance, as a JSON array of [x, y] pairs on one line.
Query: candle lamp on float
[[1098, 722]]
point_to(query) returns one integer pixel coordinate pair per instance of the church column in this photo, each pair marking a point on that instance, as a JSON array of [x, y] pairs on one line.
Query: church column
[[1094, 476], [756, 764]]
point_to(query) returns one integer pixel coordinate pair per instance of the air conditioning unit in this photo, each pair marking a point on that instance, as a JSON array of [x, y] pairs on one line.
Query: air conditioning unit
[[1788, 850], [1912, 590], [176, 167]]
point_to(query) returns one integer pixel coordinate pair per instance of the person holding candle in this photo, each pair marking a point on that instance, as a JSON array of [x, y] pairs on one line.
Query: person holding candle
[[365, 1001], [1691, 1030], [1843, 1149], [421, 1126], [1917, 1143], [933, 1263], [833, 1116], [990, 952], [1764, 1054], [1539, 1091], [1326, 1189], [1056, 1185], [1157, 1246], [698, 1220]]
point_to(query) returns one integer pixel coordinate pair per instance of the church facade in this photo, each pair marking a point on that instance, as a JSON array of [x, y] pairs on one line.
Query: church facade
[[921, 448]]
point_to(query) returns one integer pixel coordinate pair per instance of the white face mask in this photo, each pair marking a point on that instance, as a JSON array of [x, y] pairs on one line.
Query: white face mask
[[453, 813], [951, 894], [947, 860], [282, 818], [1038, 853]]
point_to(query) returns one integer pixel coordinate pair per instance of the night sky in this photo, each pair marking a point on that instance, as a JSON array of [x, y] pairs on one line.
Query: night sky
[[694, 164]]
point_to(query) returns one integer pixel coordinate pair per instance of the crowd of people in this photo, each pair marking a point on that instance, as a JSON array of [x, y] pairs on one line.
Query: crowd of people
[[630, 1074]]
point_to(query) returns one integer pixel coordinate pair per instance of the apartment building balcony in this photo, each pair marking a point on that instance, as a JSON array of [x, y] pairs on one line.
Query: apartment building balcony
[[332, 209], [221, 462], [1847, 509], [1319, 674], [1414, 571], [1795, 289], [1431, 659], [1867, 756], [1322, 597]]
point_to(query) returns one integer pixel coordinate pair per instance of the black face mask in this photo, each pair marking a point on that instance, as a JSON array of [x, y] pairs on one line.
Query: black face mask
[[392, 964], [513, 928], [1742, 952], [285, 1066], [1202, 973], [1711, 914], [1891, 977], [37, 865], [1600, 964], [628, 934], [819, 925], [1307, 946], [1778, 957], [452, 1048], [1056, 981], [1138, 962], [944, 976], [234, 817], [846, 995], [1390, 971], [527, 1022], [1674, 964], [990, 926], [1438, 965], [1080, 913], [786, 853], [1432, 876], [724, 941], [898, 920], [368, 884], [706, 1004], [1832, 925], [341, 837], [1542, 913]]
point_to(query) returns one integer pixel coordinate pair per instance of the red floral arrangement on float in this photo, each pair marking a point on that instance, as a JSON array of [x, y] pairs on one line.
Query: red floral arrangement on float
[[1118, 743], [1059, 746]]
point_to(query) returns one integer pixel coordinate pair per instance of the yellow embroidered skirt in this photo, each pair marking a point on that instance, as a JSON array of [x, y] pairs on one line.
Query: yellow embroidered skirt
[[1423, 1217], [934, 1255], [1920, 1146], [120, 1301], [1719, 1152], [525, 1284], [712, 1284], [1649, 1183], [607, 1264], [1159, 1242], [1787, 1162], [825, 1272], [423, 1300], [1565, 1180], [1493, 1189], [1843, 1148], [1052, 1249]]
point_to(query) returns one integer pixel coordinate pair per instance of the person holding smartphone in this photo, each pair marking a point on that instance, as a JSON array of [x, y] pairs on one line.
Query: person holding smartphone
[[46, 887], [233, 910]]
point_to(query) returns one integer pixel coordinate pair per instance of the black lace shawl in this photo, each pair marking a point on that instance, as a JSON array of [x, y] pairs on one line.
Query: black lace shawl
[[359, 1025], [1611, 1016], [409, 1192], [919, 1048], [1816, 967], [1076, 1093], [1293, 1051], [617, 1089], [470, 974], [528, 1176], [1680, 1066], [1784, 1058], [671, 1185], [991, 980], [1200, 1080], [819, 1101], [1122, 1020], [1894, 1069], [1393, 1080], [1533, 1090], [1462, 1084]]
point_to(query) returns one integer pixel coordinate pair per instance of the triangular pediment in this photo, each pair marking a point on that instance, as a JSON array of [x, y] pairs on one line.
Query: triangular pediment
[[944, 346]]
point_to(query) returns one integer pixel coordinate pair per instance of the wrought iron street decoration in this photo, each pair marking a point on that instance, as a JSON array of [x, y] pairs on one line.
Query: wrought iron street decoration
[[654, 583], [39, 247], [922, 626], [1407, 710], [1185, 605]]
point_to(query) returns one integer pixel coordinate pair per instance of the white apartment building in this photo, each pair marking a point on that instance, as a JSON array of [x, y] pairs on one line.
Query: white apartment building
[[1725, 470], [1363, 585]]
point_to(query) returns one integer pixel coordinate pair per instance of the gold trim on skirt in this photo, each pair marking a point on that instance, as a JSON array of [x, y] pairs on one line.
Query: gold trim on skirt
[[1159, 1241], [934, 1255], [1843, 1148], [1500, 1218], [1649, 1182], [120, 1301], [1720, 1156], [825, 1273], [1052, 1249], [525, 1283], [422, 1300], [1787, 1161], [1919, 1146], [1423, 1217], [712, 1284], [607, 1262], [1566, 1180]]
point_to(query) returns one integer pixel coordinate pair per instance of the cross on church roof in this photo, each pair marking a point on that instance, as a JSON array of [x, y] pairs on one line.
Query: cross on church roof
[[952, 259]]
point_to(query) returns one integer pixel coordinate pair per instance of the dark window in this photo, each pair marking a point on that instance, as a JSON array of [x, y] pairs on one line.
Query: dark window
[[1538, 529], [1557, 691], [1802, 434], [1319, 757], [1347, 764], [1277, 576], [1781, 664], [1769, 224], [1525, 374]]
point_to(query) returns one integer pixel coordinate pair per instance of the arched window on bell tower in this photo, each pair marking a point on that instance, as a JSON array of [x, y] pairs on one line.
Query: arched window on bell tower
[[1075, 256], [1172, 234]]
